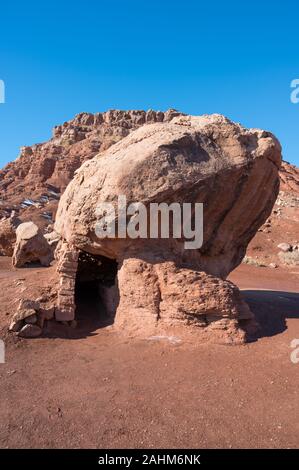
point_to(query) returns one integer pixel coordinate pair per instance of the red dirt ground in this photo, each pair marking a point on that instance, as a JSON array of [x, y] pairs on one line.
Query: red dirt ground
[[92, 388]]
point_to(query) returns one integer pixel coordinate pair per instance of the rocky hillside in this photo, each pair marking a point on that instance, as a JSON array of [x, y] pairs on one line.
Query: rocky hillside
[[34, 182], [282, 227], [289, 178]]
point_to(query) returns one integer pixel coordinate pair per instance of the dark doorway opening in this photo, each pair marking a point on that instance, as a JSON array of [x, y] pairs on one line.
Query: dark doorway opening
[[95, 275]]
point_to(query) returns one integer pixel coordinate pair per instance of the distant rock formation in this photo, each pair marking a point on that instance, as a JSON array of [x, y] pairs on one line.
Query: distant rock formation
[[289, 178], [33, 183]]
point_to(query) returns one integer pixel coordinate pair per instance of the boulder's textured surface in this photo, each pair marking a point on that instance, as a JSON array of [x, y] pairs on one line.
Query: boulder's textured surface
[[31, 246], [208, 159]]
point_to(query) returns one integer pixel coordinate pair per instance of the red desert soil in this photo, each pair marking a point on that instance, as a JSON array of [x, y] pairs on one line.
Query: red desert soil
[[92, 388]]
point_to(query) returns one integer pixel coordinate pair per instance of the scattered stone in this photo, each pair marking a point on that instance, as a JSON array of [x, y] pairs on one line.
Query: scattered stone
[[30, 331], [284, 247], [273, 265], [253, 262]]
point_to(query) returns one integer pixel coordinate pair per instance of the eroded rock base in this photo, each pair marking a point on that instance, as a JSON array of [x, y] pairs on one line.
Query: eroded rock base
[[169, 299], [159, 297]]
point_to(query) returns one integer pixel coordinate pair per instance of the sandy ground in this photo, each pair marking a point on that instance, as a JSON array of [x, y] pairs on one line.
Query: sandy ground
[[92, 388]]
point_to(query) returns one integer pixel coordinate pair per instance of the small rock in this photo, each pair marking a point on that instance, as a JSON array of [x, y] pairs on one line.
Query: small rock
[[273, 265], [30, 331], [284, 247]]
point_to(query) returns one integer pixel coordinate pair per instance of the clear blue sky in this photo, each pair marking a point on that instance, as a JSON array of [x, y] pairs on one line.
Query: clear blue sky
[[59, 58]]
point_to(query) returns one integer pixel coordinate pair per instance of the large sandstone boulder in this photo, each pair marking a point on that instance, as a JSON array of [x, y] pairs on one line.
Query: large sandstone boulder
[[208, 159], [31, 246]]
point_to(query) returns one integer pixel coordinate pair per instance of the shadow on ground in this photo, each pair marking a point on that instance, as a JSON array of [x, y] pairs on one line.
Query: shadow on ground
[[90, 317], [272, 309]]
